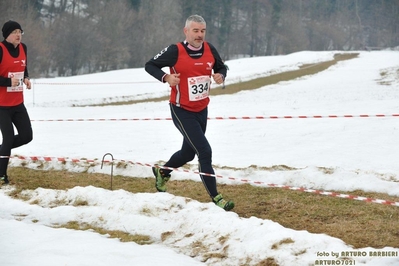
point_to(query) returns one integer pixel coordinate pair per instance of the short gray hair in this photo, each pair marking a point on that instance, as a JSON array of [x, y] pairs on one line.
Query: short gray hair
[[195, 18]]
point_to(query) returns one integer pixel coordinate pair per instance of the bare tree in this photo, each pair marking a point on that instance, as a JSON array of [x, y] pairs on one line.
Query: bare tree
[[109, 35], [156, 28], [70, 37]]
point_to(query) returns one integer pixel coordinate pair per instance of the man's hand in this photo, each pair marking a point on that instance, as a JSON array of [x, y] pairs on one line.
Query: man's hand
[[218, 78], [172, 79], [27, 83], [15, 82]]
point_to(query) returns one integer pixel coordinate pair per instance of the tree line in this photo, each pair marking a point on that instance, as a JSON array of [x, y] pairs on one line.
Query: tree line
[[71, 37]]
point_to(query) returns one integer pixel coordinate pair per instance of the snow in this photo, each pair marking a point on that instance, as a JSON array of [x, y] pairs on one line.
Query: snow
[[360, 153]]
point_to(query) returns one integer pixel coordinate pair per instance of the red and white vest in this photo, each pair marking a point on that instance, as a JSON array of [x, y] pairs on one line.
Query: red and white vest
[[192, 93], [12, 67]]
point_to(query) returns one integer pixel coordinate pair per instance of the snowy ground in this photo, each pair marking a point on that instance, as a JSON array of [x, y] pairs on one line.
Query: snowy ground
[[360, 152]]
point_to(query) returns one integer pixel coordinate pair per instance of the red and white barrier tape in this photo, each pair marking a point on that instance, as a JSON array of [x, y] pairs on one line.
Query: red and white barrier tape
[[97, 119], [218, 118], [92, 83], [259, 183]]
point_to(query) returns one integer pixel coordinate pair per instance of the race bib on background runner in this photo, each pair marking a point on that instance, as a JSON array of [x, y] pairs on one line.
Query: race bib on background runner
[[198, 87], [20, 77]]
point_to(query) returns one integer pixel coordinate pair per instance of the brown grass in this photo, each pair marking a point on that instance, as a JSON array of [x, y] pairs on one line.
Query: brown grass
[[358, 223], [304, 70]]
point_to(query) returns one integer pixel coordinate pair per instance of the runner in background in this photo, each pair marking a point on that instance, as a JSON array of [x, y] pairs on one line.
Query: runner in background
[[13, 76]]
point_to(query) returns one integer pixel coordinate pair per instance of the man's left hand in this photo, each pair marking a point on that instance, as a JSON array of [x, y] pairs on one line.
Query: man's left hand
[[218, 78], [27, 83]]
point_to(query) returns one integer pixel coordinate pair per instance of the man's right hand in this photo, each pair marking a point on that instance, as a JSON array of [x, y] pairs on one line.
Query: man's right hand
[[173, 79], [15, 82]]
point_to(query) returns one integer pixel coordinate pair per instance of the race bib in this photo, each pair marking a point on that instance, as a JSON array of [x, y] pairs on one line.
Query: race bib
[[16, 75], [198, 87]]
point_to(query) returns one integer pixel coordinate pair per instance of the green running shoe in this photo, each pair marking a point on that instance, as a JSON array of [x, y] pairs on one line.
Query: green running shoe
[[4, 179], [160, 179], [222, 203]]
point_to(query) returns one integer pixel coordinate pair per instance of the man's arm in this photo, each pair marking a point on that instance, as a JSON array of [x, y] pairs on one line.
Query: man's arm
[[4, 81], [219, 66], [26, 74], [165, 58]]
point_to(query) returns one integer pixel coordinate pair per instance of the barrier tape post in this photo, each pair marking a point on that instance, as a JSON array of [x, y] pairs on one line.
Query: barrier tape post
[[112, 165]]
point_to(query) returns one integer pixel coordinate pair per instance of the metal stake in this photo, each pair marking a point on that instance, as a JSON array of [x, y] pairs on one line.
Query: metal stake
[[112, 165]]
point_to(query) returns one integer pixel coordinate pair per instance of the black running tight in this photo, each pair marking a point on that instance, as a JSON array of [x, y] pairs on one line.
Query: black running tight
[[192, 126], [9, 117]]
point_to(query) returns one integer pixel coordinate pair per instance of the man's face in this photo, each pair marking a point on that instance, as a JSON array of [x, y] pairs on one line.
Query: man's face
[[195, 34], [15, 37]]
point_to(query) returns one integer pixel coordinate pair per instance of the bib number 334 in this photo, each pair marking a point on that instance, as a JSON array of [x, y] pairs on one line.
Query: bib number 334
[[198, 87]]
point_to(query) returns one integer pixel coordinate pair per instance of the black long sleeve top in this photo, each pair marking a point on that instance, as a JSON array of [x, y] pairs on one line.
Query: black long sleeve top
[[168, 58]]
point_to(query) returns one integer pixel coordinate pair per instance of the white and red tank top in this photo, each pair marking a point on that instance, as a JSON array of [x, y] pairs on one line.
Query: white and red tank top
[[12, 68], [192, 93]]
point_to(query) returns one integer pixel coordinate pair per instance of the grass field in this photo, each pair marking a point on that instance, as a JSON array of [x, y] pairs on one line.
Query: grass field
[[360, 224]]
